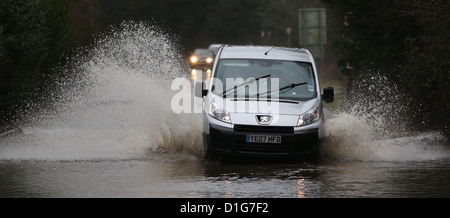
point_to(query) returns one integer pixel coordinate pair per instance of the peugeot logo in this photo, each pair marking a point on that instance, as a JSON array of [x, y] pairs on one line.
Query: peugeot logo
[[263, 119]]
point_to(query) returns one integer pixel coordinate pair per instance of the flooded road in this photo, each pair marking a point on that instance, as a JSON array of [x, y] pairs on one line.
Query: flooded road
[[112, 133], [177, 178]]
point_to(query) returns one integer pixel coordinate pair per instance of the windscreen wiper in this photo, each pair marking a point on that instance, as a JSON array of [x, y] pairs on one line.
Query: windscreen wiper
[[246, 83], [290, 86]]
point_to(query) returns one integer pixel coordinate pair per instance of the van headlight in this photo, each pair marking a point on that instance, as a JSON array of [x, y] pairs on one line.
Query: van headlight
[[309, 117], [219, 113]]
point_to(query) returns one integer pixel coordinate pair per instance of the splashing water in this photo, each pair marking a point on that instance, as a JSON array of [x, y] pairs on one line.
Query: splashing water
[[115, 103], [374, 124]]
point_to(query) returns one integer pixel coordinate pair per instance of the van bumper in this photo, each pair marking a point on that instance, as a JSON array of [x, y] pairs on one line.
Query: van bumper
[[226, 141]]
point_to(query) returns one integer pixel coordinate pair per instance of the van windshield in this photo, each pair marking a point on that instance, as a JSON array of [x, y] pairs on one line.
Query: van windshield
[[271, 79]]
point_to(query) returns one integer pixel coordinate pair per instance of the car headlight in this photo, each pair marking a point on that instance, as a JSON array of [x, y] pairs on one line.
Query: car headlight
[[209, 60], [309, 117], [194, 59], [219, 113]]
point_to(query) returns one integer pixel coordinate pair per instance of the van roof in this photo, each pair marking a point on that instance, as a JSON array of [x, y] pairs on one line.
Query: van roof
[[266, 52]]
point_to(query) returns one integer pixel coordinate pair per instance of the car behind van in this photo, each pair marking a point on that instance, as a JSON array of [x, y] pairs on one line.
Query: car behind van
[[263, 102], [201, 59]]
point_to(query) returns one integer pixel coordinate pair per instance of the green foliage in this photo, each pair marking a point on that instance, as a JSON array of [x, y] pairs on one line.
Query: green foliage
[[34, 36], [233, 22], [2, 48], [427, 71], [276, 16], [374, 34], [409, 42], [203, 22]]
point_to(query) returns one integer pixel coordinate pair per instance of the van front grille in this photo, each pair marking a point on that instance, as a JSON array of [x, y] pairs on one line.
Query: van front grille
[[263, 129]]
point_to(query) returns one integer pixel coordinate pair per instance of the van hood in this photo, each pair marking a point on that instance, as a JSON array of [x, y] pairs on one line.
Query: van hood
[[284, 112]]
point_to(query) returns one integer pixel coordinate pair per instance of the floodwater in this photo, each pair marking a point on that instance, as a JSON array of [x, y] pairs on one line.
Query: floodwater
[[414, 168], [177, 178], [112, 133]]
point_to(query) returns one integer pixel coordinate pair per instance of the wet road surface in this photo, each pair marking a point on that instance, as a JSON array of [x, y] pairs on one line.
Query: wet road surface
[[180, 176]]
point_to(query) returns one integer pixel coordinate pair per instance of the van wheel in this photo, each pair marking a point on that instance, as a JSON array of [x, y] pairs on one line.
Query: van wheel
[[316, 151], [208, 155]]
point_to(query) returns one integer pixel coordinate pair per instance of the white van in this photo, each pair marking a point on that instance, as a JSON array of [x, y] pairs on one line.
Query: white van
[[264, 102]]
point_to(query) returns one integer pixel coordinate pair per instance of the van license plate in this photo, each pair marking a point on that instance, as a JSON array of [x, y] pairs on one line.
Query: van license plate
[[264, 139]]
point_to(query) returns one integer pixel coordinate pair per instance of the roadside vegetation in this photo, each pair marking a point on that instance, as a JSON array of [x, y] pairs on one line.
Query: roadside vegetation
[[406, 41]]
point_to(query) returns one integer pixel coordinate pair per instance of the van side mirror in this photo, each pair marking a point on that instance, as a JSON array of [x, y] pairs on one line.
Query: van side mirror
[[328, 95], [200, 92]]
